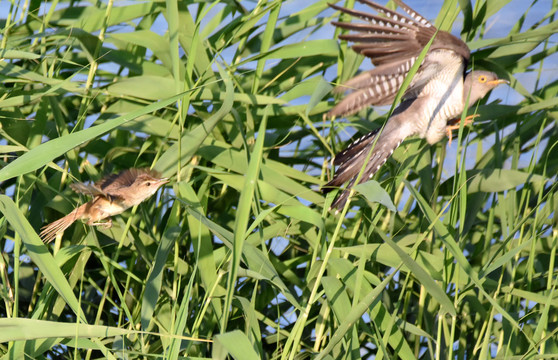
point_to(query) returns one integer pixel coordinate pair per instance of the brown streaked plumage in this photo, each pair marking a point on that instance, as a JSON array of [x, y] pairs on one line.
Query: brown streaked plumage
[[111, 196], [436, 95]]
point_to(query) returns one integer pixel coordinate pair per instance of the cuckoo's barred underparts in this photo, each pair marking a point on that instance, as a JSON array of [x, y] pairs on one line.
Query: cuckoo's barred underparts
[[436, 96]]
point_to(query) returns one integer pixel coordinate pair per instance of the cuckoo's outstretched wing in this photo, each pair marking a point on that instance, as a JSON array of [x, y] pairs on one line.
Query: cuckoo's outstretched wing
[[393, 43]]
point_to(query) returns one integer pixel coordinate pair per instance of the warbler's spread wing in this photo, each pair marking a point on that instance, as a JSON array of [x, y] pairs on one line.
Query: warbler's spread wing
[[114, 184], [87, 189]]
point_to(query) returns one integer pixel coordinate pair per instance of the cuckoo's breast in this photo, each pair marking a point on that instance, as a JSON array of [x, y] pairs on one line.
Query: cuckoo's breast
[[441, 99]]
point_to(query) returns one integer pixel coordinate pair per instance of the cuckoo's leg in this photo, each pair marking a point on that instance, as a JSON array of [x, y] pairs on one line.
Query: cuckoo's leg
[[456, 124]]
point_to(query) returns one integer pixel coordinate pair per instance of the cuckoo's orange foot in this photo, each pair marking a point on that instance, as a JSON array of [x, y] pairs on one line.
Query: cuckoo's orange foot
[[457, 123]]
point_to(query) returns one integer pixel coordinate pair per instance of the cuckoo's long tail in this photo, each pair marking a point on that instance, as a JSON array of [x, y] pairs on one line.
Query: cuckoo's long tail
[[352, 159]]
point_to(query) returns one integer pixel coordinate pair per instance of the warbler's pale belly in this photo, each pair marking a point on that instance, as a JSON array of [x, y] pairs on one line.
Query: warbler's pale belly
[[103, 208]]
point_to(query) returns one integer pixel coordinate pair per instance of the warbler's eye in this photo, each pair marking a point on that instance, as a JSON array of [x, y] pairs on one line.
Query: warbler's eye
[[148, 184], [482, 79]]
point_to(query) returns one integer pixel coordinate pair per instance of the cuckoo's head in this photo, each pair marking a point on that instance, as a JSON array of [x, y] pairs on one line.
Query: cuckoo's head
[[478, 83]]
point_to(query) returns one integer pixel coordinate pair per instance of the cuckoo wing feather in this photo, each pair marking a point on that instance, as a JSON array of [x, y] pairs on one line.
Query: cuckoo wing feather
[[393, 42]]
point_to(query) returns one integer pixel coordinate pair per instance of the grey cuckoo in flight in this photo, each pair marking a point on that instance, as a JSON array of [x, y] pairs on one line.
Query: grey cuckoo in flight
[[436, 96]]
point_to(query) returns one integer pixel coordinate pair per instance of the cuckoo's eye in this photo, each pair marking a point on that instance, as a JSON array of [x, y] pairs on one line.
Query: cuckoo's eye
[[482, 79]]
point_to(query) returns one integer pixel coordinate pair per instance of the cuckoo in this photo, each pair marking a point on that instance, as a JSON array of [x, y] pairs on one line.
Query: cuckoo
[[431, 105]]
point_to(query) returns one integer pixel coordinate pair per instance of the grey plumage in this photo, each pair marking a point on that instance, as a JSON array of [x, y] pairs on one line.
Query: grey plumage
[[436, 95], [392, 42]]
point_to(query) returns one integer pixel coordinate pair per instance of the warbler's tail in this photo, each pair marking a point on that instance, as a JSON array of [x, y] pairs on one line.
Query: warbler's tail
[[49, 232]]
